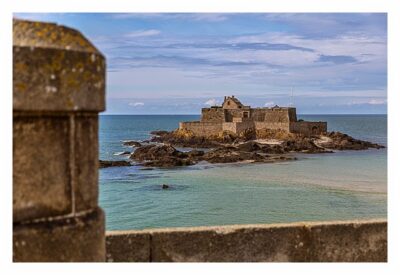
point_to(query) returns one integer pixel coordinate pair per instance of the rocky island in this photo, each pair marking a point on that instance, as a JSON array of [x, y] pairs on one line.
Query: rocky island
[[236, 133]]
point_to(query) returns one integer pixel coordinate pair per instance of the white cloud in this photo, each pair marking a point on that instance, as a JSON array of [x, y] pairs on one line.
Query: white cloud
[[136, 104], [143, 33], [206, 17], [211, 102], [377, 101], [269, 104], [374, 101], [209, 17]]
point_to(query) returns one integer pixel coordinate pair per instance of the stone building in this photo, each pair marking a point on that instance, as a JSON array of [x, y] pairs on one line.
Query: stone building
[[235, 117]]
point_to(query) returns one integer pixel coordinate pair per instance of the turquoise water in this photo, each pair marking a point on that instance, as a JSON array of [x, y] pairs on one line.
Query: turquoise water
[[344, 185]]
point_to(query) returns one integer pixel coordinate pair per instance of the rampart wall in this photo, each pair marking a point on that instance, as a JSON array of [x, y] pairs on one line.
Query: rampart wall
[[351, 241], [272, 125], [237, 127], [212, 115], [308, 128], [202, 128]]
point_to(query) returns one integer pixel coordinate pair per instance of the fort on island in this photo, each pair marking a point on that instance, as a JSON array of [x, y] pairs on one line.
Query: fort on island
[[235, 117]]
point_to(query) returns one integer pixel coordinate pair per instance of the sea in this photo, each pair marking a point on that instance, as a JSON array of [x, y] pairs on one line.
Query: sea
[[316, 187]]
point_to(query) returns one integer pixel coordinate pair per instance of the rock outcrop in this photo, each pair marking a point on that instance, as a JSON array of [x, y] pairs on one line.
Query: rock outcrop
[[168, 156], [161, 156], [132, 143], [340, 141], [227, 147], [113, 163]]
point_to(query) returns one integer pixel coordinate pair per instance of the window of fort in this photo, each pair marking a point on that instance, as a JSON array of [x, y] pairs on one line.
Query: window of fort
[[245, 114]]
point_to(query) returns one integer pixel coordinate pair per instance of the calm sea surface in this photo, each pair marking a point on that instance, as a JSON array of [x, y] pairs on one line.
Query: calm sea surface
[[343, 185]]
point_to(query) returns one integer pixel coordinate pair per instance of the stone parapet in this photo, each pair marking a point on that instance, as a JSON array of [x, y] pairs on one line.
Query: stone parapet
[[58, 90], [336, 241]]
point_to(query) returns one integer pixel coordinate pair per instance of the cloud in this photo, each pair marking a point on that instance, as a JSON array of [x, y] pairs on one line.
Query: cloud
[[330, 24], [206, 17], [211, 102], [377, 101], [269, 104], [136, 104], [336, 59], [373, 101], [142, 33]]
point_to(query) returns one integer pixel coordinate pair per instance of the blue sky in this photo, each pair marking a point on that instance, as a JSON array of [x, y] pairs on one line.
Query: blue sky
[[177, 63]]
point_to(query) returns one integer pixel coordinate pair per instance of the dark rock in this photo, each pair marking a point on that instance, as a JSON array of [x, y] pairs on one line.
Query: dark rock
[[132, 143], [249, 146], [273, 149], [195, 153], [159, 133], [342, 141], [161, 156], [165, 186], [154, 152], [112, 163]]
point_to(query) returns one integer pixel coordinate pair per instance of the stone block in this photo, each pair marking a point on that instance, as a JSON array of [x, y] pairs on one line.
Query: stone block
[[244, 243], [86, 161], [336, 241], [41, 160], [77, 239], [55, 69], [349, 242], [127, 246]]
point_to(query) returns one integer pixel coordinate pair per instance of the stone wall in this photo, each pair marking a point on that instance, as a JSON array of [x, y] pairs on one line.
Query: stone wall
[[202, 128], [58, 90], [352, 241], [237, 127], [308, 128], [272, 125], [212, 115], [235, 113]]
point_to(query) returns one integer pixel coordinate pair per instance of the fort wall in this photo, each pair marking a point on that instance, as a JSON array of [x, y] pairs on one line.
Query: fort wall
[[238, 127], [203, 129], [212, 114], [336, 241], [272, 125], [308, 128], [230, 114]]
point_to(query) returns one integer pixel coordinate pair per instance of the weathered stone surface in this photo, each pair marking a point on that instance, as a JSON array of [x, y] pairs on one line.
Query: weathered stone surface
[[348, 242], [127, 246], [41, 166], [86, 151], [352, 241], [73, 239], [58, 89], [55, 69], [229, 244]]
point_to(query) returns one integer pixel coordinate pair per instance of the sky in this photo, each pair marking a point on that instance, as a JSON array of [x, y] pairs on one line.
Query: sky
[[178, 63]]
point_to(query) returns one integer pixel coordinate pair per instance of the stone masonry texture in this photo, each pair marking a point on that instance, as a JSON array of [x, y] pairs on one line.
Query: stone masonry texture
[[336, 241], [58, 90]]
